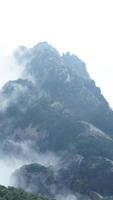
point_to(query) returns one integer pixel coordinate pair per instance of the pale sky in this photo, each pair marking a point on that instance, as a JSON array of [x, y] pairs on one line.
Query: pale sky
[[83, 27]]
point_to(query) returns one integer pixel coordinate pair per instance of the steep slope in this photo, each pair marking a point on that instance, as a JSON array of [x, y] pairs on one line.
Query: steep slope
[[79, 175], [60, 94], [65, 81], [56, 107]]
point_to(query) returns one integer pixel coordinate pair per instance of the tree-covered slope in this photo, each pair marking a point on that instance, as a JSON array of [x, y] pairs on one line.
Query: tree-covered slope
[[11, 193]]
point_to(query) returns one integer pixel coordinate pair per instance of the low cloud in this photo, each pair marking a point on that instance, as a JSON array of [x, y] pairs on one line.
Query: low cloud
[[66, 197], [9, 69], [7, 167], [9, 164]]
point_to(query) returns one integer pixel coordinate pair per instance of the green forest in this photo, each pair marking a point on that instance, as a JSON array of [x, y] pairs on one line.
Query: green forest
[[11, 193]]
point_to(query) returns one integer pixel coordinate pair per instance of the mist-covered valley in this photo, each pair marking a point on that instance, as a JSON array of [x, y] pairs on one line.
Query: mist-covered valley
[[56, 130]]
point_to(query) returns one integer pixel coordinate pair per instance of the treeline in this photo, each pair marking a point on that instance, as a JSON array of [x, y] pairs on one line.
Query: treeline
[[11, 193]]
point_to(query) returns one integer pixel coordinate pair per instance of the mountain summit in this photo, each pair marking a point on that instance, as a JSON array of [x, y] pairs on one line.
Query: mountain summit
[[57, 108]]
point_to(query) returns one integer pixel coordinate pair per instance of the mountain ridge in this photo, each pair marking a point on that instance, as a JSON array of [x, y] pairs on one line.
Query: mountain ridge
[[56, 107]]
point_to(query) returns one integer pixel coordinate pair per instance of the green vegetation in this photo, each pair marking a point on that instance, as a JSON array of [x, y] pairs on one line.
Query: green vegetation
[[11, 193]]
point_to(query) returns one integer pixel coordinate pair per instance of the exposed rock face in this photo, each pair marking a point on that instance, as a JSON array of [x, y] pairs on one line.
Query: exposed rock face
[[76, 66], [82, 176], [56, 107], [35, 178], [60, 93]]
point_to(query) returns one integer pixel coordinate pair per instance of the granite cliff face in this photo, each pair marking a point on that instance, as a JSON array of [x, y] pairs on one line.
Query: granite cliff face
[[79, 175], [56, 107]]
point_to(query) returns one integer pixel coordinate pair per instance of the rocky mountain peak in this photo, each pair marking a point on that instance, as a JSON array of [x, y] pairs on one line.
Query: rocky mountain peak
[[75, 66], [44, 47], [62, 112]]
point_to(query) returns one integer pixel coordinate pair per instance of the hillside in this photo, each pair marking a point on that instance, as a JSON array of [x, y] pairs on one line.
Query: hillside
[[11, 193]]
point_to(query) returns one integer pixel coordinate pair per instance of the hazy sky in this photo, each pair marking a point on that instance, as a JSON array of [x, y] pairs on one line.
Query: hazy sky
[[84, 27]]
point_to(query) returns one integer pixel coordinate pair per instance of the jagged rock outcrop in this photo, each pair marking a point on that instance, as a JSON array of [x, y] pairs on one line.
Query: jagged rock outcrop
[[56, 107], [92, 176]]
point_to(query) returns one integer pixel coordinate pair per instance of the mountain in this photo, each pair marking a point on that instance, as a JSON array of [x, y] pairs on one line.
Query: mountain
[[78, 175], [56, 107]]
